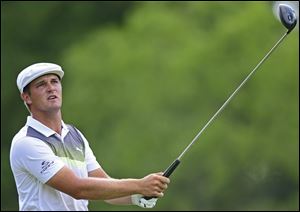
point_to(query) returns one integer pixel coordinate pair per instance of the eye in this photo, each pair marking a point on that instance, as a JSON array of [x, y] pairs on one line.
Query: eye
[[40, 84], [55, 81]]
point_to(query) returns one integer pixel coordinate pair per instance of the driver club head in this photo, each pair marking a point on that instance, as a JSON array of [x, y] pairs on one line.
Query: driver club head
[[287, 17]]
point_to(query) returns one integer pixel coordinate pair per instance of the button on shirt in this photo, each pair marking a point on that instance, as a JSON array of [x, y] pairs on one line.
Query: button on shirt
[[37, 154]]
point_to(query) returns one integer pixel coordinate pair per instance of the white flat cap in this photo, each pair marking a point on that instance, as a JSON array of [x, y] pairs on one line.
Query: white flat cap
[[34, 71]]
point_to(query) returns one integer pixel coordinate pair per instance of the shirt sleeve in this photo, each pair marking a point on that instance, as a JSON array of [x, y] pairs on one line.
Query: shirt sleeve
[[37, 158], [90, 159]]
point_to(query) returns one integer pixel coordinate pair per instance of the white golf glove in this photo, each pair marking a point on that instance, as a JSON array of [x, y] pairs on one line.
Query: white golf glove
[[138, 199]]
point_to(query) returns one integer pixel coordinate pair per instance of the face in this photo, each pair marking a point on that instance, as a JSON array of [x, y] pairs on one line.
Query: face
[[44, 94]]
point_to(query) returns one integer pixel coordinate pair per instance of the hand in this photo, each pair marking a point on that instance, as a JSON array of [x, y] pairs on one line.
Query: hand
[[153, 185], [138, 200]]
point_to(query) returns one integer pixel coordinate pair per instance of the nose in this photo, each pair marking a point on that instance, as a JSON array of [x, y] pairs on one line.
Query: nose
[[50, 87]]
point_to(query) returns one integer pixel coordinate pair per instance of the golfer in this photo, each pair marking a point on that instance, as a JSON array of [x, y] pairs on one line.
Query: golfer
[[53, 165]]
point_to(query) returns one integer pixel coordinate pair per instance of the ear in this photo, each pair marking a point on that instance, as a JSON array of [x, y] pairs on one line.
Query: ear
[[26, 98]]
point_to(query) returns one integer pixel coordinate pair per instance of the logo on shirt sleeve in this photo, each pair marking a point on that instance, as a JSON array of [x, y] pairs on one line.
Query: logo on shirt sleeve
[[45, 165]]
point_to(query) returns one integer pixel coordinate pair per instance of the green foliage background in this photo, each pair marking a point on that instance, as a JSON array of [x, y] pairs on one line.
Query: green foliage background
[[141, 79]]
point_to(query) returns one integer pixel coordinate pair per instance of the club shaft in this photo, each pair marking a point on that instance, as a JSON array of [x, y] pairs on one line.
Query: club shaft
[[176, 162], [231, 96]]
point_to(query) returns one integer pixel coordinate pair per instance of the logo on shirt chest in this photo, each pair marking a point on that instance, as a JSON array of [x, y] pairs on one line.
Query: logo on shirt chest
[[78, 149]]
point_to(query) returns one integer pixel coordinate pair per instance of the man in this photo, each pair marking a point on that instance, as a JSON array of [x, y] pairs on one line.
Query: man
[[53, 166]]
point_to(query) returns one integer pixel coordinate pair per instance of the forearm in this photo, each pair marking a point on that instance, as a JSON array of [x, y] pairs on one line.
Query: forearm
[[100, 173], [107, 189], [120, 201]]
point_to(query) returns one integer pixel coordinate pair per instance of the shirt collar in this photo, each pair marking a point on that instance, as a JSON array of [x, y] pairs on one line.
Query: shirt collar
[[46, 131]]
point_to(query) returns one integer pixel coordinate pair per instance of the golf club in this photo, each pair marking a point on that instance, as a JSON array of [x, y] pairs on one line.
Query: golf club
[[289, 20]]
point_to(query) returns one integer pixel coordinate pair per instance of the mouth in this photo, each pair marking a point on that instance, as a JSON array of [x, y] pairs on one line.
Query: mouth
[[52, 97]]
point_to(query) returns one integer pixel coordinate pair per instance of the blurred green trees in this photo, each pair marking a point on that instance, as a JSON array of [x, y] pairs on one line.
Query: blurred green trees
[[141, 85]]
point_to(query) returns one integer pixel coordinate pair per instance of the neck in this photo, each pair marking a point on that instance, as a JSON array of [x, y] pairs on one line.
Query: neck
[[51, 120]]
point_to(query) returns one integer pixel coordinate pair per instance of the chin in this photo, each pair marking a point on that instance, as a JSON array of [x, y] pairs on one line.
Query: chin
[[54, 108]]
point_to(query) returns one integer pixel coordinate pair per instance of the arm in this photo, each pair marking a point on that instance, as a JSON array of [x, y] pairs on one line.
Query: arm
[[127, 200], [100, 173], [94, 188]]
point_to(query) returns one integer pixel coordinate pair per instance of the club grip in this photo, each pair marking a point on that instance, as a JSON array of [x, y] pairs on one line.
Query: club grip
[[171, 168], [168, 172]]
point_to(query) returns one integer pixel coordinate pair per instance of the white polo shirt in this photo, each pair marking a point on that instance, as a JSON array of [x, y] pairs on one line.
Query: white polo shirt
[[37, 154]]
